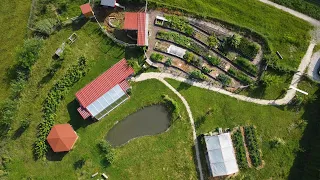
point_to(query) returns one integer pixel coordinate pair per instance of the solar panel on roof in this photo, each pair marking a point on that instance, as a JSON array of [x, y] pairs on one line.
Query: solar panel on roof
[[106, 100]]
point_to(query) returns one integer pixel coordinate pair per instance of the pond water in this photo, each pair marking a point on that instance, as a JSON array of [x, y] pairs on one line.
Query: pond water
[[147, 121]]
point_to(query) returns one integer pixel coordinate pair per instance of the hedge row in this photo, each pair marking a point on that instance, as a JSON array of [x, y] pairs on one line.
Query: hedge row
[[237, 140], [252, 145], [51, 102]]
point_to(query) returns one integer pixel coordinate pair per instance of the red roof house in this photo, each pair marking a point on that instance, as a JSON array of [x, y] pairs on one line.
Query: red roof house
[[137, 22], [106, 92], [86, 10], [62, 137]]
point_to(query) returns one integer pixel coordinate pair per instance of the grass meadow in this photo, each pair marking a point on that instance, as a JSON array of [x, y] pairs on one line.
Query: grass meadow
[[283, 122]]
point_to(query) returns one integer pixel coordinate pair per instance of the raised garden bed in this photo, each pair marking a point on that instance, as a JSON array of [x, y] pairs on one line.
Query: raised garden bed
[[253, 145], [237, 140]]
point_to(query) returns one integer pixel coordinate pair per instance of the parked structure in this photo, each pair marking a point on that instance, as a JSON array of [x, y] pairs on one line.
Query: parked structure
[[86, 10], [106, 92], [62, 138], [111, 3], [138, 22], [220, 155]]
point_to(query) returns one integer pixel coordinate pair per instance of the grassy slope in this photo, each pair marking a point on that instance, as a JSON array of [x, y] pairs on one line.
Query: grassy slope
[[308, 7], [291, 42], [167, 155], [13, 20], [270, 121]]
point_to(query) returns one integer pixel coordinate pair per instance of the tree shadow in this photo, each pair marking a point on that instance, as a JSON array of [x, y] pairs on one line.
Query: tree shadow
[[79, 164], [135, 53], [75, 119], [202, 154], [55, 156], [183, 86], [18, 133], [311, 134], [78, 23]]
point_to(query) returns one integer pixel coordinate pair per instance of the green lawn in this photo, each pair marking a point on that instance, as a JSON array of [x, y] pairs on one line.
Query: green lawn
[[270, 121], [168, 155], [308, 7], [13, 20]]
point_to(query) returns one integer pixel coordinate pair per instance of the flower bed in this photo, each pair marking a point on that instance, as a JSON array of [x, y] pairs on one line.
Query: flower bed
[[243, 62], [252, 145], [178, 23], [237, 140], [241, 76]]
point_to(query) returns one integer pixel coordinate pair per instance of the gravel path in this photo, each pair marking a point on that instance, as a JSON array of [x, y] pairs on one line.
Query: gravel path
[[293, 12], [314, 66]]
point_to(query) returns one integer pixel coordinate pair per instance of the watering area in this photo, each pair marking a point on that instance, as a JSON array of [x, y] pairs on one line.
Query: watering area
[[150, 120]]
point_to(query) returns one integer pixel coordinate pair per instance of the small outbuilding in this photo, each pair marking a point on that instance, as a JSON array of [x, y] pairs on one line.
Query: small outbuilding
[[137, 21], [220, 155], [106, 92], [86, 10], [62, 138]]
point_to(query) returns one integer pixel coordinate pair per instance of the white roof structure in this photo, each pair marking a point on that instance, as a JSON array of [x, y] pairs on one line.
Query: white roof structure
[[221, 156], [111, 3], [176, 51]]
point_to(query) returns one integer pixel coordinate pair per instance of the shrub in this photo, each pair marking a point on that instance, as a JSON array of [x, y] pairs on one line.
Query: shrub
[[169, 62], [25, 123], [240, 75], [247, 65], [224, 79], [156, 57], [234, 41], [17, 86], [54, 97], [46, 26], [106, 149], [28, 54], [197, 75], [213, 41], [188, 56], [215, 61], [7, 113], [276, 142], [206, 69]]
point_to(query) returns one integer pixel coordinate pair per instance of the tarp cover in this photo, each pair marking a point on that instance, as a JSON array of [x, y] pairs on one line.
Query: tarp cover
[[176, 51], [221, 155]]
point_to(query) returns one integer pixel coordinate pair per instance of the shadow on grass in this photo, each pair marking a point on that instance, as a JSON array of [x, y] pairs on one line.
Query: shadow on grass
[[183, 86], [55, 156], [202, 153], [75, 119], [307, 144], [78, 24], [18, 133]]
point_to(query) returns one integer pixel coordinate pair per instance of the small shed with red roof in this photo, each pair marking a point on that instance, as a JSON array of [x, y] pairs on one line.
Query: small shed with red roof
[[86, 10], [62, 138], [137, 21], [106, 92]]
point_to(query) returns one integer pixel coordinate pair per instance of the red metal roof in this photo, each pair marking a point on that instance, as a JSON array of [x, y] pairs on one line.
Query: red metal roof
[[62, 137], [85, 8], [130, 21], [102, 84], [141, 29], [136, 21]]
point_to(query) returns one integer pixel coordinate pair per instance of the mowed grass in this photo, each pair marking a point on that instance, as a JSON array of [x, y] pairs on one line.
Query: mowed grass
[[168, 155], [281, 122], [13, 20], [285, 33]]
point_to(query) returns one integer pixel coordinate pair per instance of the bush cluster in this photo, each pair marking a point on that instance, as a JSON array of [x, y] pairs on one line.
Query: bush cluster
[[243, 62], [252, 145], [213, 60], [243, 45], [237, 140], [197, 75], [156, 57], [224, 79], [172, 105], [46, 26], [51, 102], [179, 23], [213, 41], [107, 150]]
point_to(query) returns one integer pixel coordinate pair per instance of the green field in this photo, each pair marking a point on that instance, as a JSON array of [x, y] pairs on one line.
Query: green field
[[308, 7], [13, 20], [167, 155], [271, 122]]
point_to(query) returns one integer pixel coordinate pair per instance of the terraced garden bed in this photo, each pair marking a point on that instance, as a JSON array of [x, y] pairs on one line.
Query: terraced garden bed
[[253, 145], [238, 145]]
